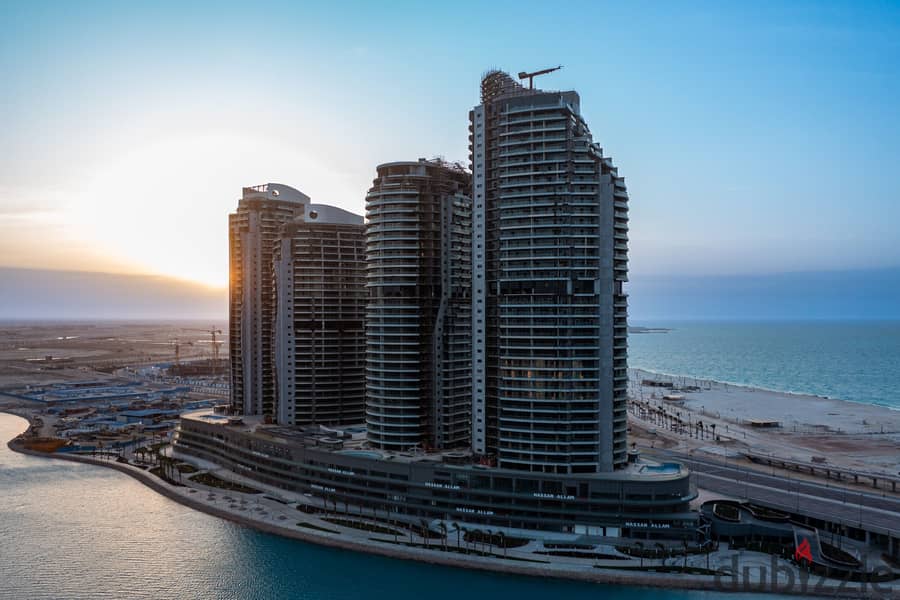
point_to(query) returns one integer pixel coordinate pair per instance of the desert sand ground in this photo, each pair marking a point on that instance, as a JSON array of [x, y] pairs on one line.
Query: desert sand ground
[[34, 353]]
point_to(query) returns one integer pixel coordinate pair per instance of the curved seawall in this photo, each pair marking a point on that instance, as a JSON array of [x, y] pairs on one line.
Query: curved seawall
[[184, 497]]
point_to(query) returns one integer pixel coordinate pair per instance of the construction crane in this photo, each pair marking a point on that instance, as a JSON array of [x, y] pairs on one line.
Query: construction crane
[[177, 343], [212, 331], [531, 76]]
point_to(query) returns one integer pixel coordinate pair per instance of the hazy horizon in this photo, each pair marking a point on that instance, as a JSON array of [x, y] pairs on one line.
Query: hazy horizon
[[47, 295]]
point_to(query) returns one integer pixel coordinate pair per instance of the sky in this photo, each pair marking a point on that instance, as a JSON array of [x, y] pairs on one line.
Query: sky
[[755, 138]]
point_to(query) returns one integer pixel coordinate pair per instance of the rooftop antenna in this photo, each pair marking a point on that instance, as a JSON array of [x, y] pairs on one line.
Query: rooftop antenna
[[531, 76]]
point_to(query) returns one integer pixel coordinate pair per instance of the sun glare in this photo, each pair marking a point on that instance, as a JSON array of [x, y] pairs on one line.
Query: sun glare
[[162, 207], [156, 209]]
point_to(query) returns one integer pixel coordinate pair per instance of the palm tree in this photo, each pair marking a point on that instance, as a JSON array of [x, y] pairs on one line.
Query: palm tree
[[502, 541], [396, 527], [424, 531], [479, 537], [662, 549], [641, 546], [456, 525], [490, 540], [684, 542], [443, 527]]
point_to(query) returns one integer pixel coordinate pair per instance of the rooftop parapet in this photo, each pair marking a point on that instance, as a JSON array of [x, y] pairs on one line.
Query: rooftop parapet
[[275, 191]]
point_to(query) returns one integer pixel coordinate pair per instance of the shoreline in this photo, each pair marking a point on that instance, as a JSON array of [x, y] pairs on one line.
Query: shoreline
[[808, 428], [568, 571], [757, 388], [419, 554]]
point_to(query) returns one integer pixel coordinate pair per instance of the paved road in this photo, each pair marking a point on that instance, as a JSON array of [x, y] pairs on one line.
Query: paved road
[[884, 501], [875, 512]]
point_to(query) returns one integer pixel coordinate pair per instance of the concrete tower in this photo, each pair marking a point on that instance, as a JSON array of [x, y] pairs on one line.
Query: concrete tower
[[549, 316], [253, 233], [418, 359], [320, 341]]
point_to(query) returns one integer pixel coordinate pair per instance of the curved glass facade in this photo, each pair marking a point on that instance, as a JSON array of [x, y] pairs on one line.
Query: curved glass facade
[[619, 504]]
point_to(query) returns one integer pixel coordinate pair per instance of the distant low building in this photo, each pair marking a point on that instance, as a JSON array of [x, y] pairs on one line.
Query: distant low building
[[144, 416]]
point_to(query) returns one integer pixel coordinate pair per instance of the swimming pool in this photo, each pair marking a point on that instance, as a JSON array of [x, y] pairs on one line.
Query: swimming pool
[[663, 468], [362, 453]]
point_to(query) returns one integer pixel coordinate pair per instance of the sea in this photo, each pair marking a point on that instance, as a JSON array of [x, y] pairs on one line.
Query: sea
[[73, 531], [858, 361]]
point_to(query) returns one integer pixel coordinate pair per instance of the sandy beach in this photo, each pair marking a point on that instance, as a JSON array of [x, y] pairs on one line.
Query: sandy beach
[[863, 436], [797, 412]]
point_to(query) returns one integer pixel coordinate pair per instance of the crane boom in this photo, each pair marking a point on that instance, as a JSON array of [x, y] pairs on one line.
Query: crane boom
[[532, 75], [215, 343]]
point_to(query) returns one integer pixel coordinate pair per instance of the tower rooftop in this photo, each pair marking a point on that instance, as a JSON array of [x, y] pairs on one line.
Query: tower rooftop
[[275, 191]]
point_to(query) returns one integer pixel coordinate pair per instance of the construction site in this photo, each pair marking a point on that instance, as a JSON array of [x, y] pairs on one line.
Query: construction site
[[93, 386]]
